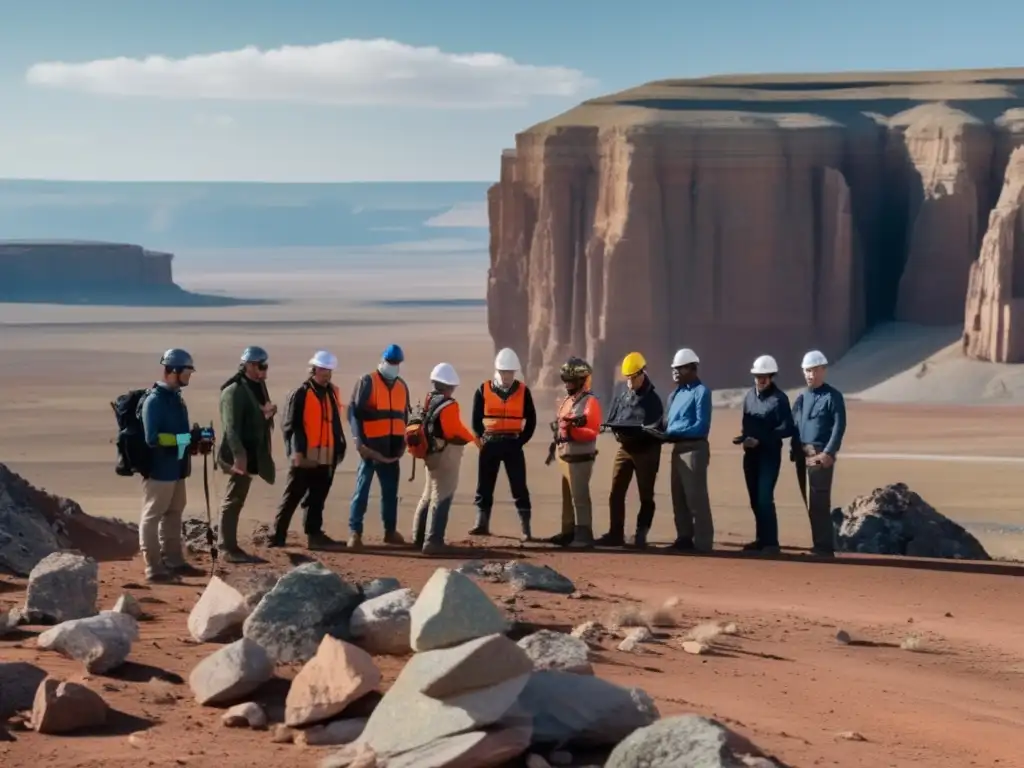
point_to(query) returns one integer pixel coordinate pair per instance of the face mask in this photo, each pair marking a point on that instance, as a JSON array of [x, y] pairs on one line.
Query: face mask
[[388, 370]]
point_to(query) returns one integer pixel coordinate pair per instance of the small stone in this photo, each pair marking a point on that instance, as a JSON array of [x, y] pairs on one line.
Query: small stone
[[160, 692], [62, 586], [101, 643], [381, 586], [590, 632], [381, 625], [9, 621], [843, 637], [250, 714], [230, 673], [127, 603], [282, 734], [451, 609], [640, 634], [850, 736], [338, 675], [694, 647], [555, 650], [912, 643], [684, 741], [138, 740], [220, 611], [730, 629], [542, 578], [334, 733], [62, 707]]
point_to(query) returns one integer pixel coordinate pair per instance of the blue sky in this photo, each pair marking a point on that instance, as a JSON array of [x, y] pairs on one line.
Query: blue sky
[[332, 115]]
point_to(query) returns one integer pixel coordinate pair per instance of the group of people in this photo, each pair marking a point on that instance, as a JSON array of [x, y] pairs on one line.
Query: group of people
[[381, 416]]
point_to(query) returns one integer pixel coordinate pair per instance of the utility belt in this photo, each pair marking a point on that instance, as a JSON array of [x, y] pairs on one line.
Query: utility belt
[[500, 437]]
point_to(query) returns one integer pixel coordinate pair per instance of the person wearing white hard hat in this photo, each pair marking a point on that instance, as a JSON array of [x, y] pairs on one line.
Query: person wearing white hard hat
[[767, 422], [686, 424], [447, 437], [315, 445], [504, 418], [819, 413]]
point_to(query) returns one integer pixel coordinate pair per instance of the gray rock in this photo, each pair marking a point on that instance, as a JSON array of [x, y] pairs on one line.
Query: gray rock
[[380, 625], [246, 715], [479, 663], [331, 734], [9, 621], [451, 609], [894, 520], [686, 741], [581, 710], [25, 537], [230, 673], [127, 603], [494, 746], [381, 586], [61, 587], [558, 651], [541, 578], [252, 585], [101, 642], [219, 612], [19, 681], [307, 603]]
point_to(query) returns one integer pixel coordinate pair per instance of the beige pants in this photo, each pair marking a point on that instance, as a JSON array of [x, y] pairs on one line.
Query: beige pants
[[576, 506], [442, 481], [691, 506], [163, 503]]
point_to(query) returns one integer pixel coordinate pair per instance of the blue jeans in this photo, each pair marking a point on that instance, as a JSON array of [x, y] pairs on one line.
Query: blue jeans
[[761, 471], [388, 474]]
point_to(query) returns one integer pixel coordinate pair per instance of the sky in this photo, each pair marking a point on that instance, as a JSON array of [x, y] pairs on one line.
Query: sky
[[404, 90]]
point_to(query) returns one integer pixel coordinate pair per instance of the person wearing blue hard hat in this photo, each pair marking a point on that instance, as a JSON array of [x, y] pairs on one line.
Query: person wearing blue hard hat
[[377, 414]]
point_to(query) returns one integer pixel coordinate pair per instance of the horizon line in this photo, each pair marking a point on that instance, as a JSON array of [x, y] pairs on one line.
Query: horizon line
[[53, 180]]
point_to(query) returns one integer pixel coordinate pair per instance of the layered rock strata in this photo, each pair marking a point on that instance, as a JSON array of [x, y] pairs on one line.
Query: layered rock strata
[[744, 215]]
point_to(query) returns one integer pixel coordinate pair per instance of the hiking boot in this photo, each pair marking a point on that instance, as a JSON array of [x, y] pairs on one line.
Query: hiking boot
[[355, 542], [526, 534], [321, 541], [482, 526], [682, 545], [393, 537], [560, 539], [235, 555], [770, 549], [582, 538], [611, 539], [639, 541], [187, 569], [432, 549], [752, 546]]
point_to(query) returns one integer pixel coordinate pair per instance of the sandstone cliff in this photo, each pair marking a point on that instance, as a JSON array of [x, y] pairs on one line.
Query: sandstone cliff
[[744, 215]]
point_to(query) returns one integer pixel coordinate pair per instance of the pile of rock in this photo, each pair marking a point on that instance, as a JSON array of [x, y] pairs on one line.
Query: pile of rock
[[894, 520], [34, 524]]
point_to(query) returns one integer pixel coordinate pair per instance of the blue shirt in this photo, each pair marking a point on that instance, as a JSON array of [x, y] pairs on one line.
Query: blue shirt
[[820, 417], [164, 411], [689, 412], [767, 417]]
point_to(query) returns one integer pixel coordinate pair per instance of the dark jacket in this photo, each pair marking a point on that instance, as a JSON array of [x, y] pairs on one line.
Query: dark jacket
[[767, 418], [164, 413], [390, 447], [529, 411], [245, 431], [820, 419], [294, 427], [630, 411]]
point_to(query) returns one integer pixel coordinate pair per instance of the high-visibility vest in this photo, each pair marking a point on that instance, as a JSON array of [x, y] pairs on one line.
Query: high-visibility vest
[[504, 415], [318, 422], [573, 407], [384, 414]]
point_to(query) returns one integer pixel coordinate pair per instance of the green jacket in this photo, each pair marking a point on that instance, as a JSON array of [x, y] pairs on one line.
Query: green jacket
[[244, 429]]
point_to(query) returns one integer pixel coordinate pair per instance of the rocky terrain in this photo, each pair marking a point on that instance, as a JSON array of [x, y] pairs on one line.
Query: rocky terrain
[[758, 214]]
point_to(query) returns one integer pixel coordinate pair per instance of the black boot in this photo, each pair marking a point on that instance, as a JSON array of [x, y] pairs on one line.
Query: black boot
[[582, 538], [612, 539], [640, 540], [482, 527], [524, 526], [561, 539]]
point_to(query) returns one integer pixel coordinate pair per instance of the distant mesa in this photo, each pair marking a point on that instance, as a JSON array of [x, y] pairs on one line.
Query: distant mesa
[[747, 214], [91, 272]]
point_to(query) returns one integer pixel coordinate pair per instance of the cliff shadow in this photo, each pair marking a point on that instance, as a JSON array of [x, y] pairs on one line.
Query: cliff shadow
[[112, 297]]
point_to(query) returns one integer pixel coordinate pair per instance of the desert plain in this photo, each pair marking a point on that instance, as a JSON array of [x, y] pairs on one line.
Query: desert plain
[[783, 679]]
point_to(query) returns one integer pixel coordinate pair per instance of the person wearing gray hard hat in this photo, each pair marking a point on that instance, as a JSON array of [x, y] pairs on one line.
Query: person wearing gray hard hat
[[247, 419], [819, 413], [173, 442]]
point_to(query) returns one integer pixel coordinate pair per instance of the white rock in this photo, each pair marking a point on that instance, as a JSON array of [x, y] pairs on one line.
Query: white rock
[[557, 650], [250, 714], [220, 611], [234, 671], [452, 609], [381, 625], [61, 587], [100, 642], [334, 733]]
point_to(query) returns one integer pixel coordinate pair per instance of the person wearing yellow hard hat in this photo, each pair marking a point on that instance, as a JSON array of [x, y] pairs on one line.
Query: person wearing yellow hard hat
[[635, 406]]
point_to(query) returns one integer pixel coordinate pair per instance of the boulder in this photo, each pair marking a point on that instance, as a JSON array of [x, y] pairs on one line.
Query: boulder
[[234, 671], [581, 710], [893, 520], [381, 586], [686, 741], [19, 682], [252, 585], [338, 675], [557, 651], [219, 612], [62, 586], [451, 609], [101, 642], [478, 663], [381, 625], [541, 578], [62, 707], [307, 603]]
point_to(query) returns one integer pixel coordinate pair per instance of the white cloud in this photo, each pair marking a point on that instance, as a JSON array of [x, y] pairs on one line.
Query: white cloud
[[345, 72]]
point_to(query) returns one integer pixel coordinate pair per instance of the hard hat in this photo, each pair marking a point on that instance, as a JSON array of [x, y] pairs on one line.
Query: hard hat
[[177, 358], [764, 365], [324, 359], [633, 363], [506, 360], [813, 359], [575, 368], [255, 355], [683, 357], [393, 354], [444, 373]]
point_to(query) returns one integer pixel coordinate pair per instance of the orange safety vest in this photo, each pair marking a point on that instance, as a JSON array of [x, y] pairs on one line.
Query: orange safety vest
[[573, 407], [385, 408], [504, 415], [318, 419]]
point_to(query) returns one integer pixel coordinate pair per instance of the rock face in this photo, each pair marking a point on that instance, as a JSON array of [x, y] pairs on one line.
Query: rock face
[[896, 521], [846, 199], [34, 524], [994, 321]]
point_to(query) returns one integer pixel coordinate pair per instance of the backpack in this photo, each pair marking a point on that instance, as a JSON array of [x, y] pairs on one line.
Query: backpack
[[419, 432], [134, 456]]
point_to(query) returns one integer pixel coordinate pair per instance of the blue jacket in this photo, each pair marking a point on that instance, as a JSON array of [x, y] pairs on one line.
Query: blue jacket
[[820, 417], [164, 412], [767, 418], [689, 412]]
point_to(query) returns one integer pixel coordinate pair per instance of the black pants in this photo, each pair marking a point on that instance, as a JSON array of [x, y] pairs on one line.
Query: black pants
[[761, 471], [493, 453], [314, 483]]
